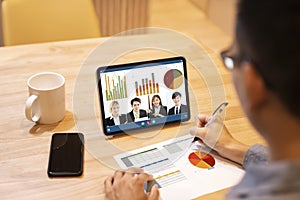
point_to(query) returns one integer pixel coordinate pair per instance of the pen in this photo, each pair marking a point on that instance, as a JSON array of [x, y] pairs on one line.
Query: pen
[[213, 117], [216, 113]]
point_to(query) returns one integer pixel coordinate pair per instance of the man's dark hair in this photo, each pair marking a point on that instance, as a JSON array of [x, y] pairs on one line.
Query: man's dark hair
[[268, 32], [135, 99], [176, 94]]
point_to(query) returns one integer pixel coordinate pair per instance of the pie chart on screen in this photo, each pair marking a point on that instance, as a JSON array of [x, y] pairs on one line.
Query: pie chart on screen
[[202, 160], [173, 79]]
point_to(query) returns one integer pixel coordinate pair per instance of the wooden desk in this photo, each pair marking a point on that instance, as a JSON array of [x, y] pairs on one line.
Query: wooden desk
[[24, 146]]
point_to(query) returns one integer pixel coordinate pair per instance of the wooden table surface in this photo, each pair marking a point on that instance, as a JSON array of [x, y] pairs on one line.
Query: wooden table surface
[[24, 145]]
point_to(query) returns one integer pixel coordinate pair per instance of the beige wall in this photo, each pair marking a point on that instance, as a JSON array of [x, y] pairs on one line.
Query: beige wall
[[1, 33], [202, 4], [221, 12], [120, 15], [114, 15]]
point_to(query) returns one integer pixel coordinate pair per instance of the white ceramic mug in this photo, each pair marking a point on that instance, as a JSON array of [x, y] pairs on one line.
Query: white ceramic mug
[[46, 102]]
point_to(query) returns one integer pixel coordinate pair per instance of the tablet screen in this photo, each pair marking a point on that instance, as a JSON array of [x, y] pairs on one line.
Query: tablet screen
[[143, 94]]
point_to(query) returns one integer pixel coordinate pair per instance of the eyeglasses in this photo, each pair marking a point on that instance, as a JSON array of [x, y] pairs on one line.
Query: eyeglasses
[[230, 61]]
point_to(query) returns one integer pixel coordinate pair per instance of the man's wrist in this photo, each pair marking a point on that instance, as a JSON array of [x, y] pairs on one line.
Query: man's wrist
[[234, 151]]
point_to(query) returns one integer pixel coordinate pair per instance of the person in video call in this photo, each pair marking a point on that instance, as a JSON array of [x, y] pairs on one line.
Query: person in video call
[[265, 67], [116, 118], [158, 110], [136, 112], [179, 107]]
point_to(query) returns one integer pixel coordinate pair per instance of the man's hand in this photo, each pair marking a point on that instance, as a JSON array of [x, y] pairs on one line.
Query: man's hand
[[222, 142], [129, 186]]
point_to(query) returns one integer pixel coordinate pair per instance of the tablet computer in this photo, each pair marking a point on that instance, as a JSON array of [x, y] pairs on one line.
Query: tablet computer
[[143, 94]]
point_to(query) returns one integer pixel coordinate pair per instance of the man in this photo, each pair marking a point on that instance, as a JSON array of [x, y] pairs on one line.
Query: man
[[265, 65], [178, 108], [136, 112]]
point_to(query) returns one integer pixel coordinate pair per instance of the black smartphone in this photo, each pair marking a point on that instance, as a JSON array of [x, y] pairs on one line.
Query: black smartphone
[[66, 155]]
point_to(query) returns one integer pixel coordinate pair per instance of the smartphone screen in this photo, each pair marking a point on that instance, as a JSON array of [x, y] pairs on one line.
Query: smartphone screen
[[66, 154]]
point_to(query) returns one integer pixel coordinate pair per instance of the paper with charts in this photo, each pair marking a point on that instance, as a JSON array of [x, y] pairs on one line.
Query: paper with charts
[[180, 169]]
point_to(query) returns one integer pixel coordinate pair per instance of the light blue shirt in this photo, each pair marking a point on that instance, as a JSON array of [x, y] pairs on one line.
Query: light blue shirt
[[265, 180]]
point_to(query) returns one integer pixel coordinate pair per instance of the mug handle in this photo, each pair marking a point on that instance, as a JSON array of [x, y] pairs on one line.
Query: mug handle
[[28, 109]]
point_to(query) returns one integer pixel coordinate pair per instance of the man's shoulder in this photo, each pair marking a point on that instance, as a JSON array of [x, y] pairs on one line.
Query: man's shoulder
[[268, 180], [143, 111], [184, 107], [131, 112], [107, 119]]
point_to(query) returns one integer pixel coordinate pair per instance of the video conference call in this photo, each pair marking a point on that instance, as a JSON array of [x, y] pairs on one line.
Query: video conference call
[[143, 95]]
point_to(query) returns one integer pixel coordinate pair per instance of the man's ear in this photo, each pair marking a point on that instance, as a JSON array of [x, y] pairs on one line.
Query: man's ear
[[257, 92]]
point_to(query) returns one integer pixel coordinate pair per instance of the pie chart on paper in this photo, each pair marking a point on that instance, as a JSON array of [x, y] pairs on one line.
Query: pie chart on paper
[[202, 160]]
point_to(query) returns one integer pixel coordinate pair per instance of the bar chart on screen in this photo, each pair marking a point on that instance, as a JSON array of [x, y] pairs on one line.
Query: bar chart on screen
[[115, 86], [146, 86]]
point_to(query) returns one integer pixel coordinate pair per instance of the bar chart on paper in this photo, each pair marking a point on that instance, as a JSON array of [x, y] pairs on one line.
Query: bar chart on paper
[[159, 161], [202, 160], [176, 165]]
